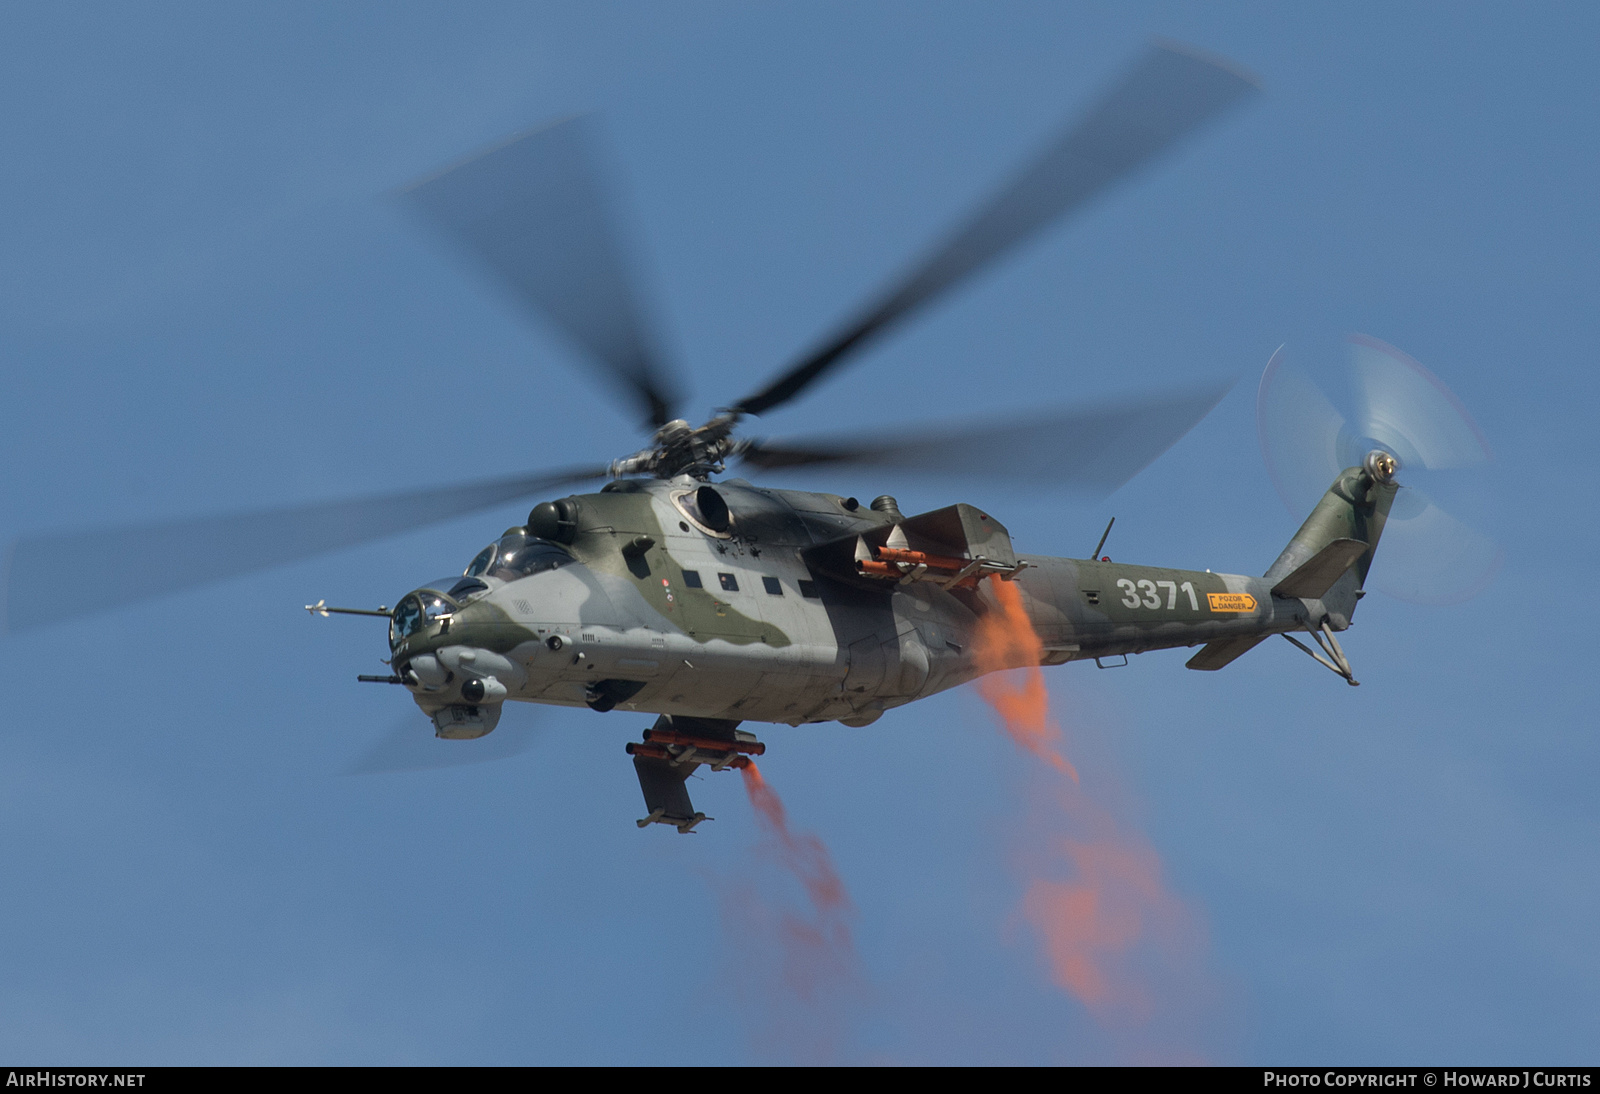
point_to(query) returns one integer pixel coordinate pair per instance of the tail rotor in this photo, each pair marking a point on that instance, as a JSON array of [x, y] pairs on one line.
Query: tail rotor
[[1389, 403]]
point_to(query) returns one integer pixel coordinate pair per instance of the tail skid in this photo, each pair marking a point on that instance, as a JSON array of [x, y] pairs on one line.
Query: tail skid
[[1335, 660]]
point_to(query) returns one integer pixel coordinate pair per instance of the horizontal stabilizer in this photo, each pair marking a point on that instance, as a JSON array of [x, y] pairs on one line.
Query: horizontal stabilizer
[[1317, 574], [1214, 655]]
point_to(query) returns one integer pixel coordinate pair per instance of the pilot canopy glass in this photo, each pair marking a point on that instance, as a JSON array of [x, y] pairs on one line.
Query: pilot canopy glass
[[515, 556], [416, 611]]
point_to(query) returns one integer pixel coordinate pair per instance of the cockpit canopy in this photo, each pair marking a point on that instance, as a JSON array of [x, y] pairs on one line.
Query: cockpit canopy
[[514, 555], [415, 611], [517, 555]]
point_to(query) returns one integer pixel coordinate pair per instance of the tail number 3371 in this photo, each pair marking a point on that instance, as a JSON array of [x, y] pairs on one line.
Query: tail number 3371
[[1155, 594]]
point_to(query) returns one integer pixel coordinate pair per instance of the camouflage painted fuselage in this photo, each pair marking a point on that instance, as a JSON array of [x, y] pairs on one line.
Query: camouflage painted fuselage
[[660, 613]]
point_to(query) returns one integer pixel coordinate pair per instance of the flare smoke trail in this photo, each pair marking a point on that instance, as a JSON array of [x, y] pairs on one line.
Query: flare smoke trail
[[798, 971], [1006, 640], [821, 947], [1093, 923]]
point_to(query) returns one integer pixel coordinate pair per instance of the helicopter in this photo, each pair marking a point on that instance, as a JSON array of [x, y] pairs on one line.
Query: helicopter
[[714, 602]]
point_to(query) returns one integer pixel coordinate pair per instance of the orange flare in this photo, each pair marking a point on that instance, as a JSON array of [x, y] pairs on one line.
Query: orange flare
[[803, 855], [1005, 639], [1087, 924], [1114, 900], [818, 952]]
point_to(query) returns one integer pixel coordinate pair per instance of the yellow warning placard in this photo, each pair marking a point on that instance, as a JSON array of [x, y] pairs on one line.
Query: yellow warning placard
[[1231, 602]]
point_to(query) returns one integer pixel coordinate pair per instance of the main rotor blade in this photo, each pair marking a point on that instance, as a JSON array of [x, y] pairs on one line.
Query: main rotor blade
[[62, 575], [1167, 94], [534, 212], [1089, 450]]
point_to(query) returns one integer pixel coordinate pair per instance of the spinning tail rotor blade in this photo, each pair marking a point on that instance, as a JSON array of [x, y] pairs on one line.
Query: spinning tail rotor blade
[[410, 745], [1168, 94], [1427, 555], [533, 211], [1408, 410], [1089, 450], [1299, 429], [62, 575]]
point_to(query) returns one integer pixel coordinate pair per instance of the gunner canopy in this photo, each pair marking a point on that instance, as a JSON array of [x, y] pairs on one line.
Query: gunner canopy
[[414, 612]]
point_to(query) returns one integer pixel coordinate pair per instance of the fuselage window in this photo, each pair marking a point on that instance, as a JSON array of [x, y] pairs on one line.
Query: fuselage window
[[773, 585], [729, 582], [809, 588], [691, 578]]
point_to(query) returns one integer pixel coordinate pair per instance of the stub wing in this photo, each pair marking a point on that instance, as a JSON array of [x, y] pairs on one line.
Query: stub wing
[[666, 793], [671, 751]]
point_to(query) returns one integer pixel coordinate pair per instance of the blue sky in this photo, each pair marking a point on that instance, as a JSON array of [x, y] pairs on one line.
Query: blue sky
[[214, 300]]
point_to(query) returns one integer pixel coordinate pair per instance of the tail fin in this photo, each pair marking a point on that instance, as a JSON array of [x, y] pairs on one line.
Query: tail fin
[[1330, 555]]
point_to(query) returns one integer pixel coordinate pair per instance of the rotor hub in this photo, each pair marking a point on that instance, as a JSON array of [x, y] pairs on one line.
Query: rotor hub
[[1380, 465], [681, 449]]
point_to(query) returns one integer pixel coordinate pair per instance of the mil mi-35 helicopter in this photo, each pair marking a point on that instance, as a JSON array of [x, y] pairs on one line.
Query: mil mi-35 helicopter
[[713, 604]]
